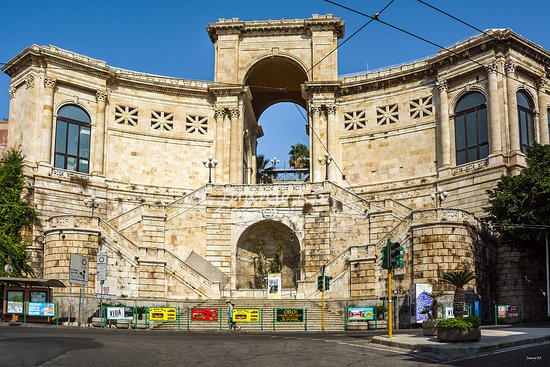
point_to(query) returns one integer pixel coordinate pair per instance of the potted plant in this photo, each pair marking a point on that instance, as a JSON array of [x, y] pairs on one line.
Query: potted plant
[[379, 322], [458, 329], [141, 321], [429, 326]]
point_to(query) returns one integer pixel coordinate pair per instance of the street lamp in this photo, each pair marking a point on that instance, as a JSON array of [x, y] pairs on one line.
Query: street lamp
[[210, 163], [92, 202], [326, 160], [274, 161], [439, 196]]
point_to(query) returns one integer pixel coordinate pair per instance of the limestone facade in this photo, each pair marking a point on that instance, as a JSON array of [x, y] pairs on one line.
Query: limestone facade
[[392, 134]]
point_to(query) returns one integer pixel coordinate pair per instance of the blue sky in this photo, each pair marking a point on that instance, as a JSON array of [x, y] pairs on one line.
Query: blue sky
[[169, 37]]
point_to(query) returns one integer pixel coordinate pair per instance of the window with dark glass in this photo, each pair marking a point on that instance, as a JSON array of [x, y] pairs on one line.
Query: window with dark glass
[[526, 119], [471, 132], [72, 139]]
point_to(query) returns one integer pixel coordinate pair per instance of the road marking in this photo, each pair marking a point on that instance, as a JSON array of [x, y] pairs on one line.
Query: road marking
[[511, 349], [388, 350]]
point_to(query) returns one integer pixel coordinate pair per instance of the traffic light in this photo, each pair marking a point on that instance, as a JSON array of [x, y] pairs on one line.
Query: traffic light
[[396, 255], [327, 282], [385, 257], [320, 283]]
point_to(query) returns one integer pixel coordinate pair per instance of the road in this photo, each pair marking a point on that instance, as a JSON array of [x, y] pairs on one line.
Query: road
[[36, 346]]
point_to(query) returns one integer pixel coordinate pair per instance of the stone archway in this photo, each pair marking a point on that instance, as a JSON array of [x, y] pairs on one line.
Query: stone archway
[[268, 233]]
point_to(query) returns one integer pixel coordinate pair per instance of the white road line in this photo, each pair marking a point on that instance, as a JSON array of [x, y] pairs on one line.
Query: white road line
[[388, 350], [498, 352]]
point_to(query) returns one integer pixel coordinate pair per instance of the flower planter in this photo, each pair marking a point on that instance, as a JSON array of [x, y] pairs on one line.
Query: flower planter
[[429, 327], [457, 335]]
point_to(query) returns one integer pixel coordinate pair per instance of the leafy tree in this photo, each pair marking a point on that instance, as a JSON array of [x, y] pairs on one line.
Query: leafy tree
[[276, 264], [520, 205], [299, 156], [261, 164], [15, 214], [459, 279]]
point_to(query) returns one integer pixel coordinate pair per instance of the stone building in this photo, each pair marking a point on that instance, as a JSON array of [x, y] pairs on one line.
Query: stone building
[[398, 137]]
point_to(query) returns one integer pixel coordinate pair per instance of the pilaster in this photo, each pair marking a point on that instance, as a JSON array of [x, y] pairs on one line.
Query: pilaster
[[495, 143], [511, 88], [98, 132], [444, 124], [543, 111]]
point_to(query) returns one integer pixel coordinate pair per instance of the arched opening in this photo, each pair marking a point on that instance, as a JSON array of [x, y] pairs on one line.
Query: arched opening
[[257, 250], [275, 83]]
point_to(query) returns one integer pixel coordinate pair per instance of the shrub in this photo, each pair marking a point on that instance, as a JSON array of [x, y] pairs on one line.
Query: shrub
[[463, 324]]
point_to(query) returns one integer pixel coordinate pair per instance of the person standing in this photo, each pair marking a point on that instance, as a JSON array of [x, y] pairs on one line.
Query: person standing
[[232, 324]]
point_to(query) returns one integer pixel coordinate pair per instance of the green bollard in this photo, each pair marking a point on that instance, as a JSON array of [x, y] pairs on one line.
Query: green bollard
[[179, 318], [24, 313], [188, 318], [274, 318], [305, 319], [261, 319], [220, 316], [346, 319], [57, 314]]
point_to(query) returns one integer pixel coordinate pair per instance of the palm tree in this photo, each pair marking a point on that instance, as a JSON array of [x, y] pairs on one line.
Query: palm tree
[[261, 163], [459, 279], [299, 156]]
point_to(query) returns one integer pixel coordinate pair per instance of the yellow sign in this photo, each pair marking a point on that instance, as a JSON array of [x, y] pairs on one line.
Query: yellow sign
[[246, 315], [162, 313]]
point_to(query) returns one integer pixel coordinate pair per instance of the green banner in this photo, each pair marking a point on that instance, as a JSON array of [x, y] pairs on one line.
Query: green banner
[[290, 315]]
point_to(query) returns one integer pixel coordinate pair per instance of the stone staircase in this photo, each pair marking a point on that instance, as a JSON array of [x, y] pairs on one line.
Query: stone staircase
[[312, 314]]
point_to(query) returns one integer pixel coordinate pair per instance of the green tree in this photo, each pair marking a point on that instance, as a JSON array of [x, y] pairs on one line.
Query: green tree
[[459, 279], [261, 164], [276, 264], [299, 156], [16, 215], [521, 201]]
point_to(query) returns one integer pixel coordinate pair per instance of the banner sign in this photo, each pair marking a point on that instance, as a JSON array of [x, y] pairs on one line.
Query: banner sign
[[422, 300], [502, 311], [360, 313], [513, 311], [290, 315], [162, 314], [41, 309], [246, 314], [274, 286], [507, 311], [120, 313], [204, 314]]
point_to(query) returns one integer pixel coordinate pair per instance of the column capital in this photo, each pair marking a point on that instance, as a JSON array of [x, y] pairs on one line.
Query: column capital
[[315, 110], [12, 92], [331, 109], [49, 82], [541, 83], [219, 112], [492, 68], [102, 95], [510, 67], [234, 112], [442, 85], [29, 81]]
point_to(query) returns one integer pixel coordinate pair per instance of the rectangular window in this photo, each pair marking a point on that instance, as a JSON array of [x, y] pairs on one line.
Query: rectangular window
[[15, 302], [61, 137]]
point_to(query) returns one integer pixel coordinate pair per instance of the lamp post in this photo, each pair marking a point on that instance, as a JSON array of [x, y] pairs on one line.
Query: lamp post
[[274, 161], [326, 160], [439, 196], [92, 202], [210, 163]]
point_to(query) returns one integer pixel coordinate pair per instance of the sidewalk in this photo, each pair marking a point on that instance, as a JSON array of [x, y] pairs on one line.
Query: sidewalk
[[491, 339]]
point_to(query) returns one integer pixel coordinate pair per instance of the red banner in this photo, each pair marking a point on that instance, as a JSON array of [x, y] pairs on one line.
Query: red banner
[[204, 314]]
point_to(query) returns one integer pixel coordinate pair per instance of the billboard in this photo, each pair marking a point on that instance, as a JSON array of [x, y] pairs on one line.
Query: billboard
[[120, 313], [204, 314], [360, 313], [290, 315], [422, 300], [246, 314], [162, 314], [41, 309]]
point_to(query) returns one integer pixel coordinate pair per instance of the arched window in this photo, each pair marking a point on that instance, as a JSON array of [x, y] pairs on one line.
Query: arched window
[[471, 134], [526, 119], [72, 139]]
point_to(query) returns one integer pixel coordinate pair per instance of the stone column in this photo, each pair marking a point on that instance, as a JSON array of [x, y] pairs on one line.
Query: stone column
[[513, 123], [219, 114], [495, 143], [316, 169], [98, 132], [543, 111], [235, 160], [331, 141], [46, 127], [444, 129]]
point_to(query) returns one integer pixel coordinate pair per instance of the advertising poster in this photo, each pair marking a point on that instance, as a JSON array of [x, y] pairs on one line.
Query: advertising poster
[[502, 311], [246, 314], [422, 300], [204, 314], [290, 315], [162, 314], [513, 311], [360, 313], [120, 313], [41, 309], [274, 286]]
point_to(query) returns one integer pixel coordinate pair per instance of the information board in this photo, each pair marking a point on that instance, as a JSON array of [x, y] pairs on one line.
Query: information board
[[162, 314], [78, 269], [41, 309], [120, 313], [290, 315], [246, 314], [360, 313], [204, 314]]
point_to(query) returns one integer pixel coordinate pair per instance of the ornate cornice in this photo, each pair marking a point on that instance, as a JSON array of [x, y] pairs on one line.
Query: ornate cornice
[[470, 167], [510, 67], [541, 83]]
